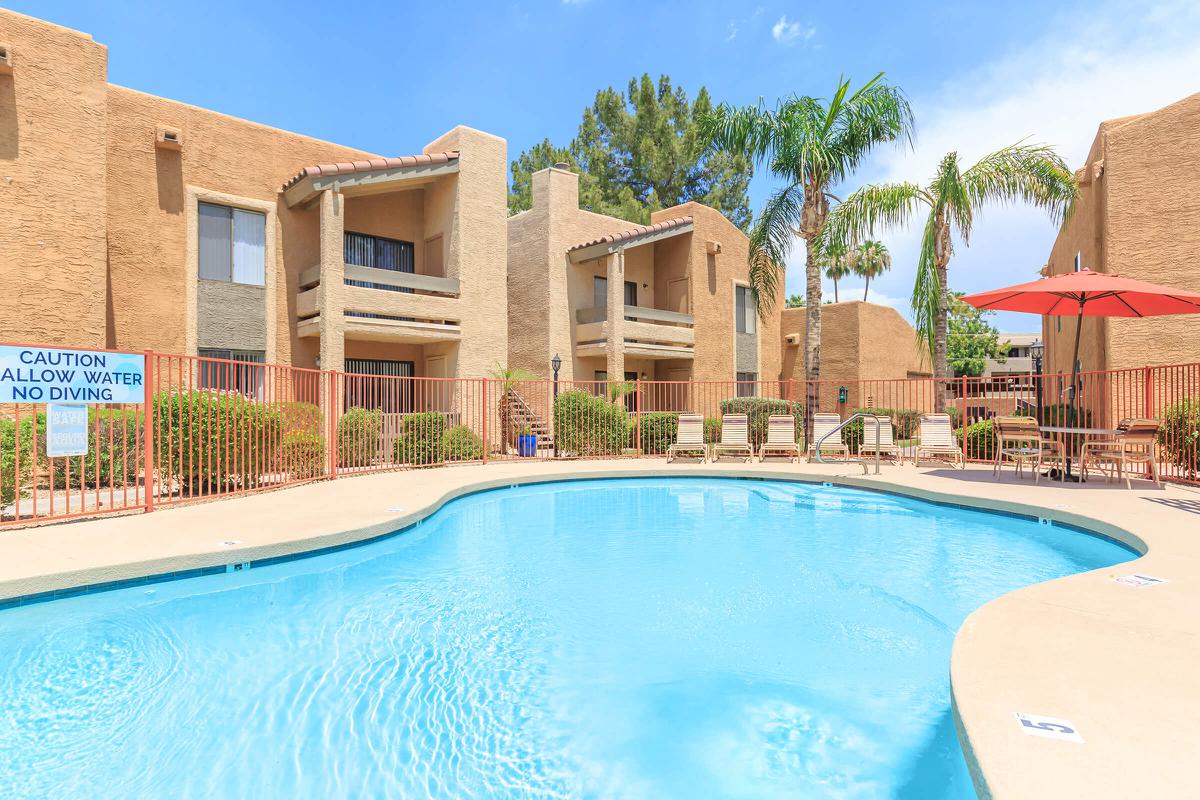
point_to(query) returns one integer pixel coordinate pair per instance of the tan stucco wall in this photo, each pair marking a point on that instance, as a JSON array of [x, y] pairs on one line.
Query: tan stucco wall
[[1139, 217], [52, 183], [859, 342]]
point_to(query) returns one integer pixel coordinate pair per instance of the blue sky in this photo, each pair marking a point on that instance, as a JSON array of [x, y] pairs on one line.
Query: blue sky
[[389, 77]]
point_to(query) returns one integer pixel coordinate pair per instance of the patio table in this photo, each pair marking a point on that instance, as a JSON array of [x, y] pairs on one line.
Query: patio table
[[1081, 432]]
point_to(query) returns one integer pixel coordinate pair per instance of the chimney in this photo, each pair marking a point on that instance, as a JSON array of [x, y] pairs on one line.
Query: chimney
[[556, 187]]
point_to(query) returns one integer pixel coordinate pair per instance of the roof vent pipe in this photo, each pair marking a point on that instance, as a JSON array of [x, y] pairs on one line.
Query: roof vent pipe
[[563, 166]]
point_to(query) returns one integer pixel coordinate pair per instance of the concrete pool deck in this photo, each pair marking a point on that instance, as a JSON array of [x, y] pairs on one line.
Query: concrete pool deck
[[1118, 662]]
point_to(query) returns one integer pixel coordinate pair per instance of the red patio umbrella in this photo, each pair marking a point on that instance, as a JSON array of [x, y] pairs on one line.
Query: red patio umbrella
[[1087, 293]]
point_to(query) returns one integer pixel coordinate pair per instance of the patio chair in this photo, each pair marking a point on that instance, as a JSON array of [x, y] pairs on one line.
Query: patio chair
[[735, 438], [1135, 445], [882, 442], [689, 438], [1020, 440], [935, 439], [823, 424], [781, 438]]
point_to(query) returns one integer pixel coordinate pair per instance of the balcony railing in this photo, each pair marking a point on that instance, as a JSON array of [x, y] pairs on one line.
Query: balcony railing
[[425, 284], [586, 316], [652, 332]]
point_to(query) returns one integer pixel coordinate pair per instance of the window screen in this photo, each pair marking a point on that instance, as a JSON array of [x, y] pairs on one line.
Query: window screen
[[232, 245], [238, 371], [745, 315]]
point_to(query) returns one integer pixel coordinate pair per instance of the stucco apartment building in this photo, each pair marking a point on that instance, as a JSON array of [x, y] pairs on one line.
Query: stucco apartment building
[[129, 221], [859, 342], [1138, 216], [668, 301]]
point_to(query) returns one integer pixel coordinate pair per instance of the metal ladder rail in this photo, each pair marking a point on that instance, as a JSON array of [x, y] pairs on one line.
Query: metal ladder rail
[[838, 430]]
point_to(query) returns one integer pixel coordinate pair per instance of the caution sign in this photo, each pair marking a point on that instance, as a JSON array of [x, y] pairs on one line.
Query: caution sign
[[51, 375]]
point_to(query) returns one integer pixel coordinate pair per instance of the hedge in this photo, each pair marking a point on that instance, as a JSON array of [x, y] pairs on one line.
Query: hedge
[[118, 464], [10, 482], [658, 431], [587, 425], [712, 430], [980, 438], [421, 439], [358, 436], [214, 440], [759, 410], [1179, 436], [299, 416], [302, 454], [906, 422], [461, 444]]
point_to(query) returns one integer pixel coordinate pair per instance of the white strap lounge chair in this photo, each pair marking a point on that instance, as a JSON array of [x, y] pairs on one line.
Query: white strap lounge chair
[[689, 438], [936, 440], [884, 443], [735, 438], [823, 424], [781, 438]]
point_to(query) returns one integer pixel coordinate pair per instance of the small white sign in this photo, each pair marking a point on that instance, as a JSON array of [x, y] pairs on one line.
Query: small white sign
[[1138, 581], [66, 429], [1049, 727]]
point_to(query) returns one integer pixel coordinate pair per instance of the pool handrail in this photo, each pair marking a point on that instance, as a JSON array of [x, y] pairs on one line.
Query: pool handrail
[[838, 430]]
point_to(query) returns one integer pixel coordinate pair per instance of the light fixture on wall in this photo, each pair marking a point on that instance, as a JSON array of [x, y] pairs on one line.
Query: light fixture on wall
[[317, 362]]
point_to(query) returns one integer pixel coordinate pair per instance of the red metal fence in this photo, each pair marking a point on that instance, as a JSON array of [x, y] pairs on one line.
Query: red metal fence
[[215, 428]]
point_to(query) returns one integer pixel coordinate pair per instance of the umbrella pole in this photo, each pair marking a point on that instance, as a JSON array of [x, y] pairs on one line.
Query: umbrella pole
[[1073, 415]]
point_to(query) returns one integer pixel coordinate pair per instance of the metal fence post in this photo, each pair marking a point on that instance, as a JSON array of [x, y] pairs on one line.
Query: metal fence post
[[486, 444], [962, 418], [148, 431]]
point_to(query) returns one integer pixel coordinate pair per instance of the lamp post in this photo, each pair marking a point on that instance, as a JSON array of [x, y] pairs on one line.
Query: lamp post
[[1035, 350], [555, 363]]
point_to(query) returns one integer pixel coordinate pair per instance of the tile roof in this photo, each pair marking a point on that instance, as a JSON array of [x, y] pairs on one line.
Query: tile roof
[[636, 231], [369, 165]]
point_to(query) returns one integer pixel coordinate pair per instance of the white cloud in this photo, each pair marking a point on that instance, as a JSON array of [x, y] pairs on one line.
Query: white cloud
[[733, 31], [786, 32], [1056, 89]]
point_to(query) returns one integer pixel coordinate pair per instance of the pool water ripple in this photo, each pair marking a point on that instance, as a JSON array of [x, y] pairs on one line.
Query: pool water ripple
[[625, 639]]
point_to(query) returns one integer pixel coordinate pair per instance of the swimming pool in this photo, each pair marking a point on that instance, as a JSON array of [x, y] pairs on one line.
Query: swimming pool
[[616, 638]]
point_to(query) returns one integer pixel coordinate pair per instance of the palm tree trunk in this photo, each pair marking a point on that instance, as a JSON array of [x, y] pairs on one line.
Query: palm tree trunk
[[835, 294], [866, 288], [941, 365], [812, 335]]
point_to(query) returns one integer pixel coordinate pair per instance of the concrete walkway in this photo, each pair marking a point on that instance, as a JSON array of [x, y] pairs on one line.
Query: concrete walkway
[[1119, 663]]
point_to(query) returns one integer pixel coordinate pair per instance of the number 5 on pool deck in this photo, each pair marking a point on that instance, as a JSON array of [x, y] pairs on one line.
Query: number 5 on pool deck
[[1051, 728]]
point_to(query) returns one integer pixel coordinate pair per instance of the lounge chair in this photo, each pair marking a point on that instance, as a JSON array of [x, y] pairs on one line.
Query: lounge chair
[[689, 438], [735, 438], [1135, 445], [1020, 440], [823, 424], [781, 438], [936, 440], [885, 446]]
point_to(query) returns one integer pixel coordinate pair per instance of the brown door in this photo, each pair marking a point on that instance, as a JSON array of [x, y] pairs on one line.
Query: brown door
[[677, 295]]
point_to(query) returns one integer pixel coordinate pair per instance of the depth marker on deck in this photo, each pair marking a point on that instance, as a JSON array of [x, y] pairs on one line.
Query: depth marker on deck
[[1048, 727]]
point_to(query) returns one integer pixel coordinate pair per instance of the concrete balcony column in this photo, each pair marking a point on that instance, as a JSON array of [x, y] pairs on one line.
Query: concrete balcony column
[[332, 287], [615, 323]]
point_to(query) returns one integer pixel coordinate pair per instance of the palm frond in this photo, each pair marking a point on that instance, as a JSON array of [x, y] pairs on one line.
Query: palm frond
[[771, 241], [927, 290], [880, 205], [876, 113], [1033, 173], [951, 197]]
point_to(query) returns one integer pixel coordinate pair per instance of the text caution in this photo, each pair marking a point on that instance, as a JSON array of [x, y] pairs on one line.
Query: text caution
[[50, 375]]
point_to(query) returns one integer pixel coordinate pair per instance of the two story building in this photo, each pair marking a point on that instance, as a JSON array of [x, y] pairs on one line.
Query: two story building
[[134, 222], [668, 301]]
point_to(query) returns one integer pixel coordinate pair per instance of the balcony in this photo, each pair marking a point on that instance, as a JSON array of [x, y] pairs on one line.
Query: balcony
[[394, 307], [647, 332]]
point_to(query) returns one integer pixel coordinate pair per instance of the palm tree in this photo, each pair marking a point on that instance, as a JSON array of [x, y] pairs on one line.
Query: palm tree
[[812, 144], [1033, 173], [836, 260], [870, 260]]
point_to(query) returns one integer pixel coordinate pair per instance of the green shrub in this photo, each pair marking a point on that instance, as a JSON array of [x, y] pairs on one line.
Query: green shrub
[[980, 438], [1179, 436], [759, 410], [12, 484], [587, 425], [461, 444], [905, 424], [658, 431], [421, 439], [114, 442], [214, 440], [712, 430], [302, 454], [1064, 414], [299, 416], [358, 433]]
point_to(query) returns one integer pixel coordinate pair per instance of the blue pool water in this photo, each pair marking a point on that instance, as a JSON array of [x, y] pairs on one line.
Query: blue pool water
[[685, 638]]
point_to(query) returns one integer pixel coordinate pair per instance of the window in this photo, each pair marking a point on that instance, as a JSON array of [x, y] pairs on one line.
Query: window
[[745, 315], [747, 384], [600, 292], [238, 371], [232, 244], [364, 250], [365, 389]]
